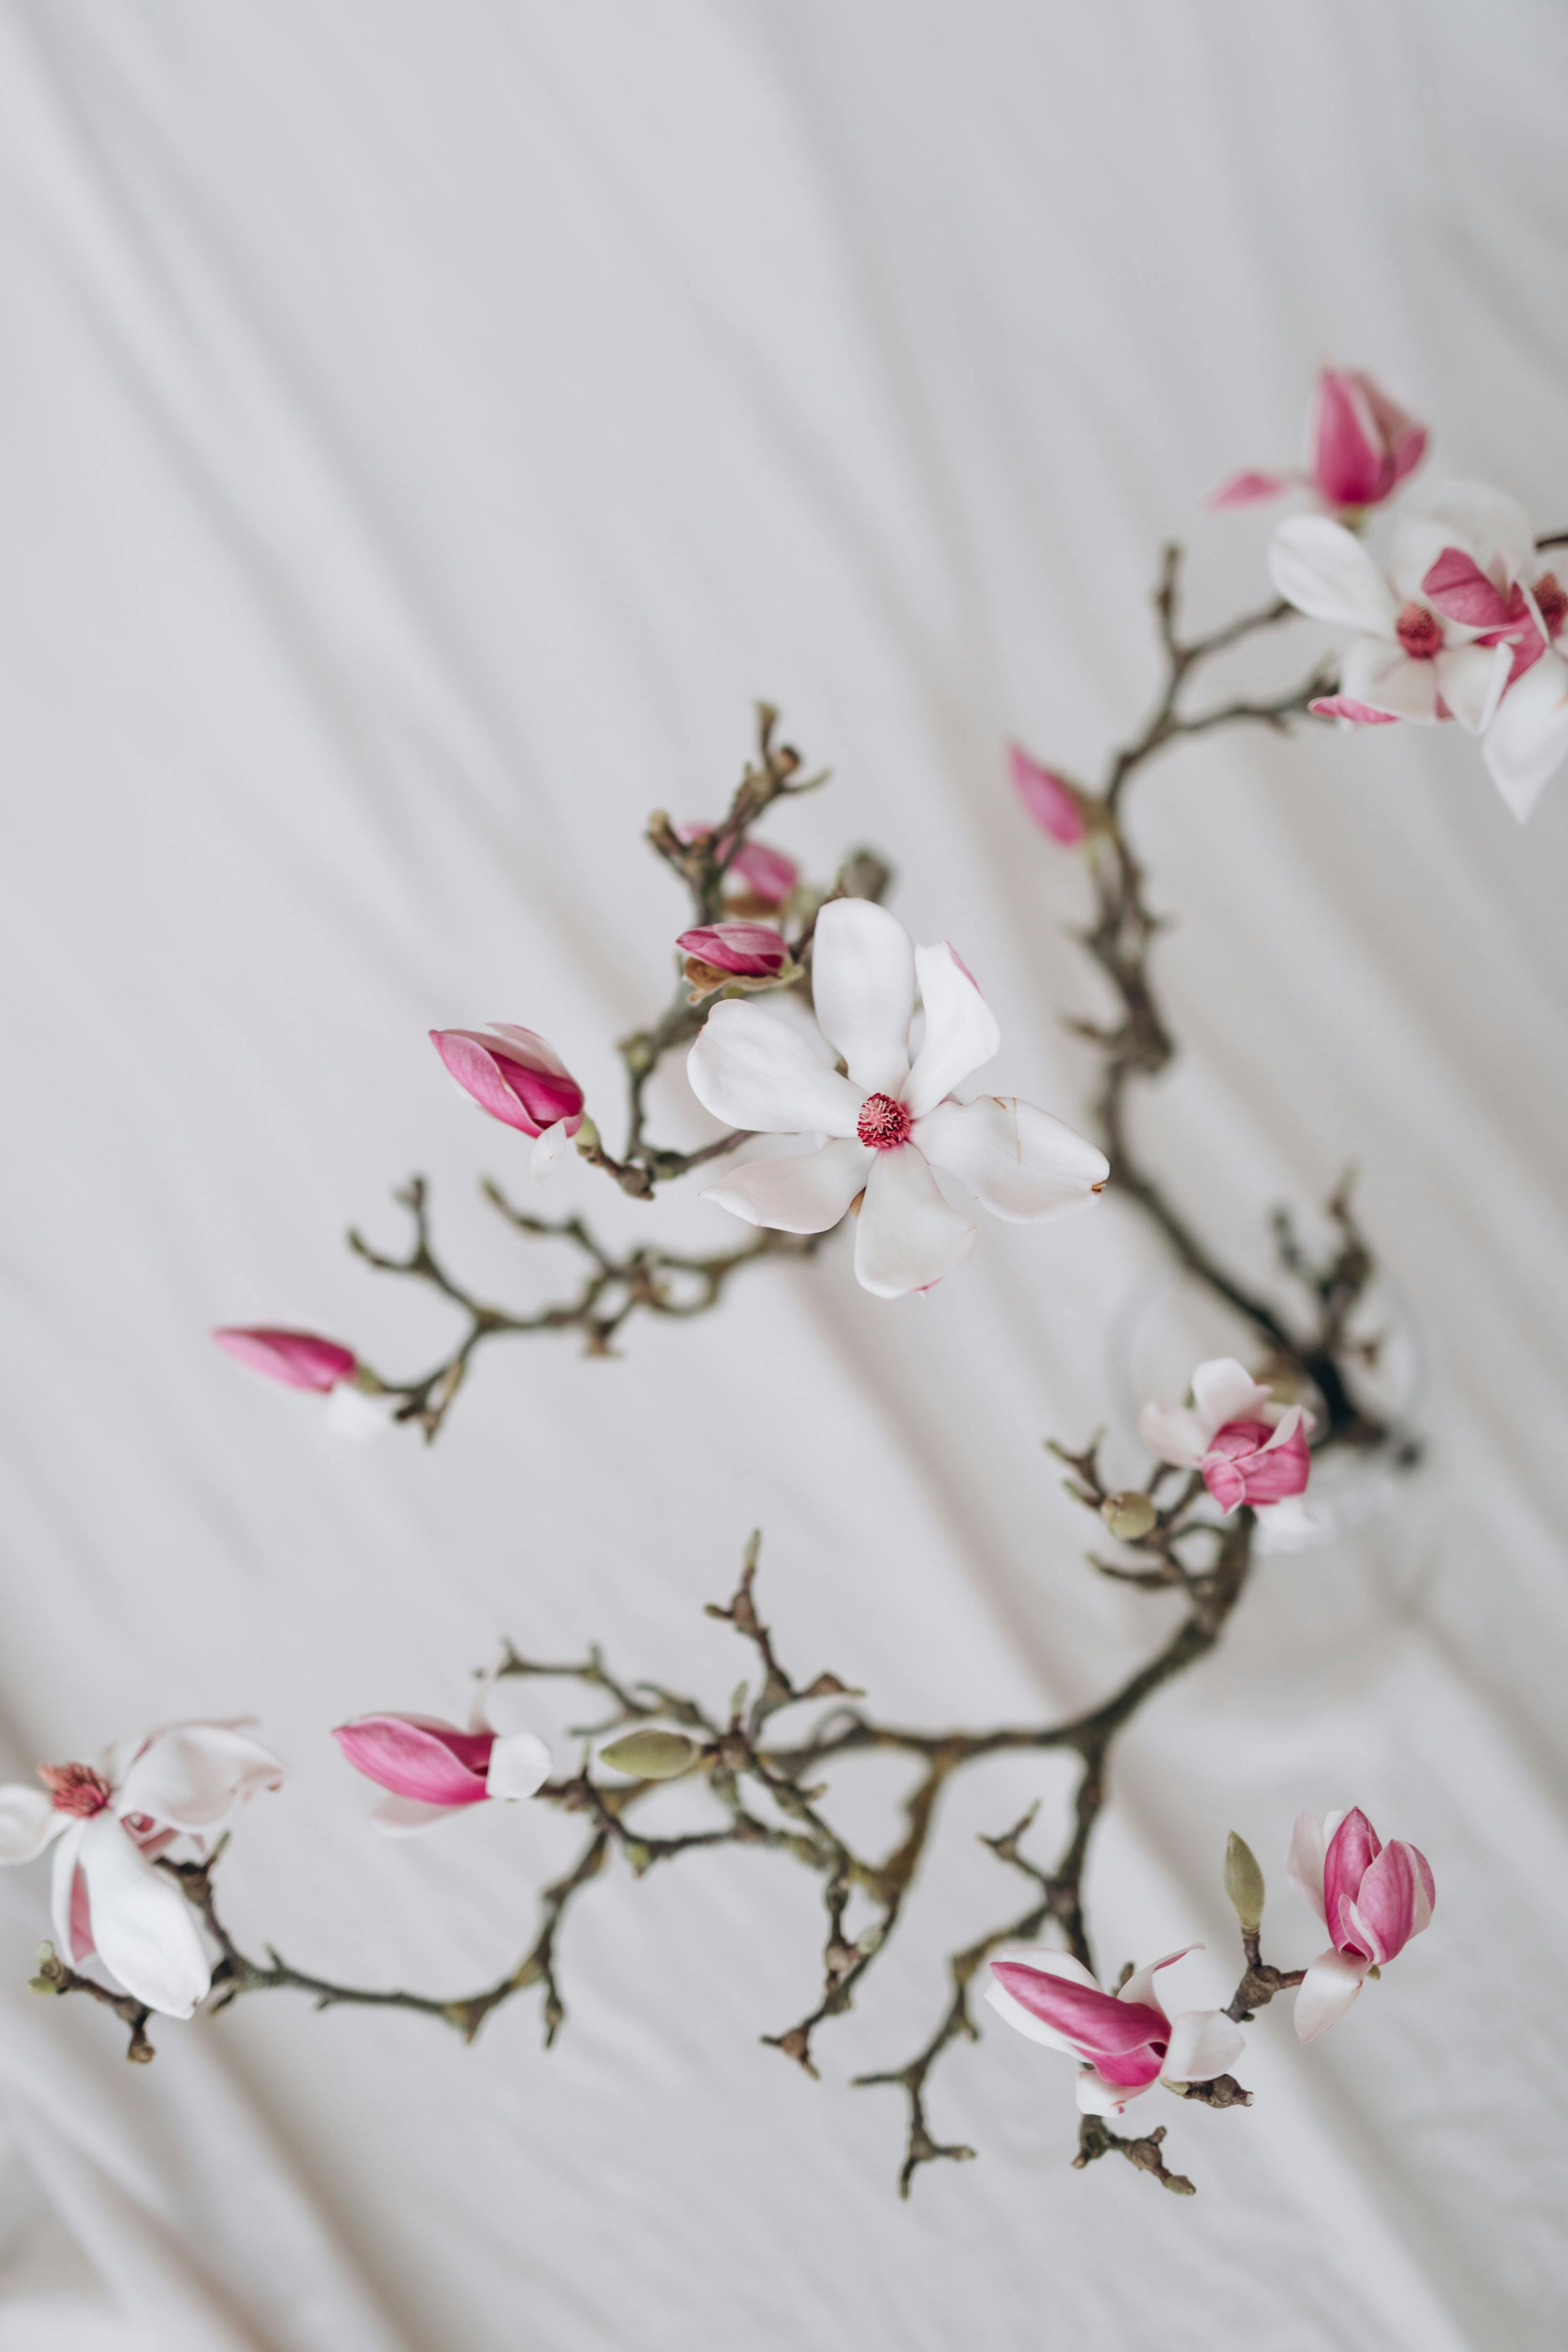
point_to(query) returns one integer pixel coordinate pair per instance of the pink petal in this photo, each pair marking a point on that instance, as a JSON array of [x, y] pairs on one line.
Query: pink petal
[[1351, 1851], [419, 1755], [754, 951], [1249, 488], [301, 1359], [1095, 2022], [1350, 464], [1345, 706], [1050, 799], [1460, 590], [1394, 1901]]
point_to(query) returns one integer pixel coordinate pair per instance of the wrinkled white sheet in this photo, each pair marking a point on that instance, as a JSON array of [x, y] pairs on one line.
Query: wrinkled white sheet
[[422, 430]]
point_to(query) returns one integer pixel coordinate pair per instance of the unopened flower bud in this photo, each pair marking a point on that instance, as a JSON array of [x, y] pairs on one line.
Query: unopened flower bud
[[651, 1755], [1055, 805], [301, 1359], [514, 1075], [1127, 1515], [1243, 1883], [736, 951]]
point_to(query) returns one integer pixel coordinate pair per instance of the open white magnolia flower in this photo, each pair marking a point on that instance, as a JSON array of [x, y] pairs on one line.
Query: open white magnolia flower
[[109, 1822], [894, 1117]]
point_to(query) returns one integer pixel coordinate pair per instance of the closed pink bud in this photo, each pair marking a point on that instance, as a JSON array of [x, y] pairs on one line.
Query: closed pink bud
[[419, 1756], [1050, 799], [1372, 1898], [299, 1359], [513, 1075], [767, 873], [1250, 1462], [750, 951], [1362, 443]]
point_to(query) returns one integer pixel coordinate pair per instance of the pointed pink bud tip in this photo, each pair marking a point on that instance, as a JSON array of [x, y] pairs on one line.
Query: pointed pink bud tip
[[1362, 443], [301, 1359], [767, 874], [1050, 799], [748, 950], [1248, 489], [1346, 706], [512, 1074]]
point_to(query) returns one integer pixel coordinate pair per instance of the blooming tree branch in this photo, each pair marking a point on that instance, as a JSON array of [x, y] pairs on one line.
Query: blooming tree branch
[[879, 1035]]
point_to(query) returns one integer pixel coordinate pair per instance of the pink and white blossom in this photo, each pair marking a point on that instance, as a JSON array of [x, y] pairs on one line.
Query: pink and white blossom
[[1250, 1448], [893, 1118], [109, 1822], [1360, 444], [1409, 658], [1125, 2039], [432, 1769], [1370, 1897], [1489, 575], [1056, 806], [516, 1076], [746, 950]]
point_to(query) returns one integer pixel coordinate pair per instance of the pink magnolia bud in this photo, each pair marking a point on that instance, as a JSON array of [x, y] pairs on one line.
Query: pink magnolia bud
[[513, 1075], [767, 873], [1050, 799], [420, 1756], [299, 1359], [750, 951], [1363, 444], [1250, 1462]]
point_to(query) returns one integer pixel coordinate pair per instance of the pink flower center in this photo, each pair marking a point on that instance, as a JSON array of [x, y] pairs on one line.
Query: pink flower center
[[884, 1124], [1420, 632], [1552, 599], [75, 1789]]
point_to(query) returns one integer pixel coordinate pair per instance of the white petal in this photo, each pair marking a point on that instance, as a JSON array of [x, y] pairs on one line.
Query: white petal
[[1203, 2043], [960, 1030], [30, 1820], [863, 987], [908, 1236], [1324, 571], [1309, 1852], [193, 1775], [1326, 1991], [356, 1415], [1140, 1985], [1385, 678], [144, 1929], [1174, 1433], [548, 1145], [1470, 679], [1023, 1164], [403, 1816], [1527, 740], [520, 1766], [797, 1196], [68, 1855], [753, 1070], [1224, 1390], [1096, 2096], [1287, 1422]]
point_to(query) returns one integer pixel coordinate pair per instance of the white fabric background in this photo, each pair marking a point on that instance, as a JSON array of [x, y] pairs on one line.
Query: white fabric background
[[422, 430]]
